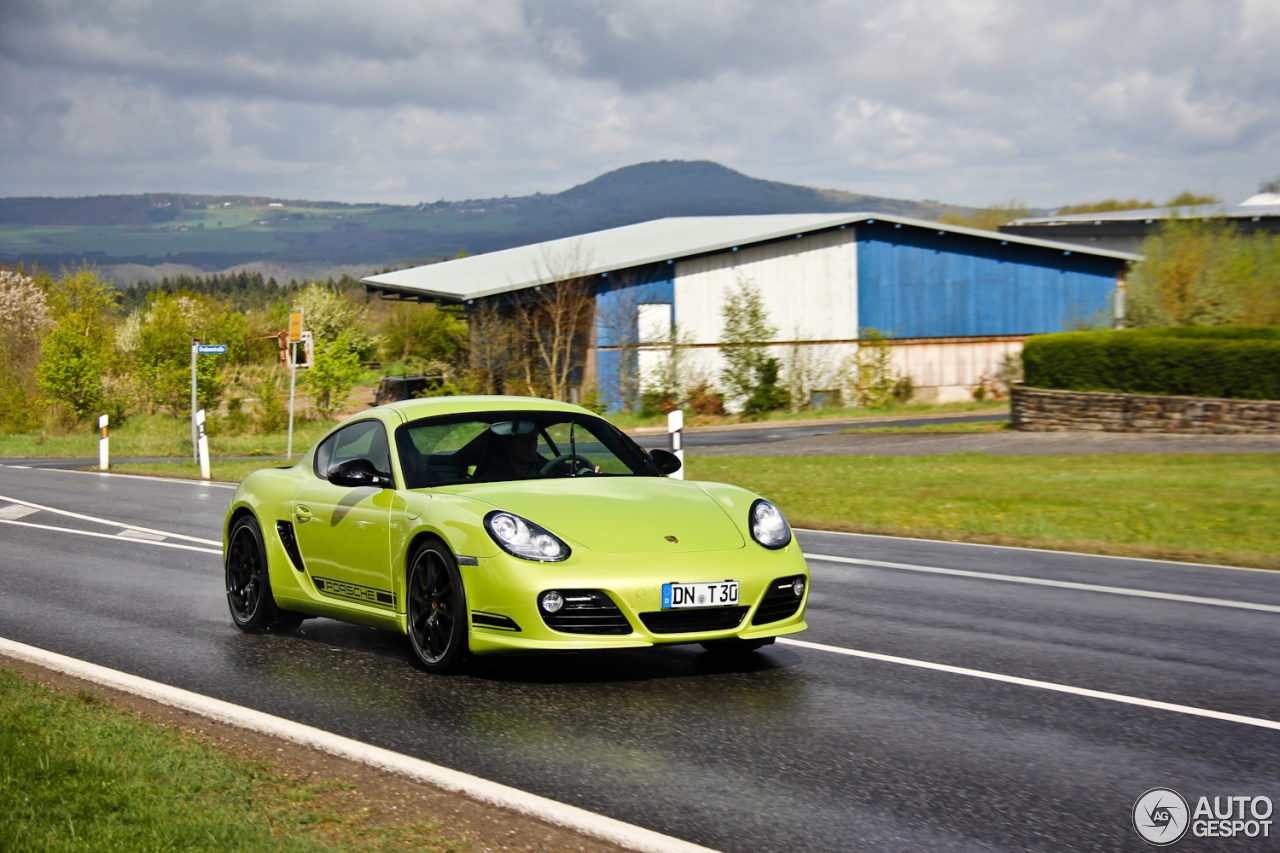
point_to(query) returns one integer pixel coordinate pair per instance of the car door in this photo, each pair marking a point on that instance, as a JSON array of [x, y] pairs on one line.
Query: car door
[[343, 531]]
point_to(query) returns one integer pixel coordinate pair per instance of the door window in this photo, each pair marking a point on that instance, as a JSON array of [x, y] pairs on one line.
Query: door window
[[361, 440]]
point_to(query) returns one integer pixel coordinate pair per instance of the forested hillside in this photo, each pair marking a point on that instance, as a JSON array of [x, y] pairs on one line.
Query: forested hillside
[[130, 236]]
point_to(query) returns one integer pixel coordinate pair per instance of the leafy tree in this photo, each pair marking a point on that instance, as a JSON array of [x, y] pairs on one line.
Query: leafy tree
[[874, 382], [330, 316], [24, 316], [744, 340], [1187, 198], [989, 218], [78, 350], [336, 369], [273, 407], [157, 342], [1108, 205], [1197, 272], [768, 395], [424, 332]]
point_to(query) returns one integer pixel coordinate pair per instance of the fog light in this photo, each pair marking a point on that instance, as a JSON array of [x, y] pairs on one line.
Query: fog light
[[797, 586], [552, 601]]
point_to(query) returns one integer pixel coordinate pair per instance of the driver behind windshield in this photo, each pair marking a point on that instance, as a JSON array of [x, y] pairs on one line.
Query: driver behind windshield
[[516, 456]]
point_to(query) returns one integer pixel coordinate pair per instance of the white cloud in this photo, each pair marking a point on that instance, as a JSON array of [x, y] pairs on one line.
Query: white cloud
[[972, 101]]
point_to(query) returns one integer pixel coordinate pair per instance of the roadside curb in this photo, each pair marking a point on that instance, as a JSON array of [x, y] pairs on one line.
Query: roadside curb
[[492, 793]]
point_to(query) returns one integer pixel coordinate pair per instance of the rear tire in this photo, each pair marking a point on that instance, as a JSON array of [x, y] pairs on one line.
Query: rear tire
[[248, 582], [734, 646], [436, 609]]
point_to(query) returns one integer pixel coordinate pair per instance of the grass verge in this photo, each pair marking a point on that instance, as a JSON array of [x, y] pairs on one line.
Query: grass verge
[[1217, 508], [1202, 508], [632, 420], [158, 435], [76, 774]]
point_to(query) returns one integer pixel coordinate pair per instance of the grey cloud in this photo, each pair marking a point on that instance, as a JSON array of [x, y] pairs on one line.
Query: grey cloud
[[972, 101]]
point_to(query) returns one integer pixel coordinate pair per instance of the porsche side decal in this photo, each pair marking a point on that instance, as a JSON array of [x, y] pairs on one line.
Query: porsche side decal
[[355, 592]]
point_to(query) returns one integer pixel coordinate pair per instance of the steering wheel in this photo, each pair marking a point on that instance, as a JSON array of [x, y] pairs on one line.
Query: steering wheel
[[584, 462]]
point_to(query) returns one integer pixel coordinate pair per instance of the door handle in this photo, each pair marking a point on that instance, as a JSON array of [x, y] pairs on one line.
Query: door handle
[[302, 513]]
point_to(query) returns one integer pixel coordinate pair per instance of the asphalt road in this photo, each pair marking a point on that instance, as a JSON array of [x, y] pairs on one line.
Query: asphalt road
[[899, 724]]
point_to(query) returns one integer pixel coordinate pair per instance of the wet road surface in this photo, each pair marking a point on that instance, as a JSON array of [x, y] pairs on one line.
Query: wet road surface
[[799, 748]]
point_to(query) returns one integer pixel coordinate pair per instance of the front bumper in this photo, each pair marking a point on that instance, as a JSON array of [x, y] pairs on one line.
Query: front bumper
[[503, 592]]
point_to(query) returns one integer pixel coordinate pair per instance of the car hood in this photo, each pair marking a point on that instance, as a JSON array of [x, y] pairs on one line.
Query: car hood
[[617, 515]]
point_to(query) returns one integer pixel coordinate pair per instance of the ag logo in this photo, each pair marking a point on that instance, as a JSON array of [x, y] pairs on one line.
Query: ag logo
[[1161, 816]]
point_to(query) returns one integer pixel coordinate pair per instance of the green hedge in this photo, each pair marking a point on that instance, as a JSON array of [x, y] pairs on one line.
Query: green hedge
[[1201, 361]]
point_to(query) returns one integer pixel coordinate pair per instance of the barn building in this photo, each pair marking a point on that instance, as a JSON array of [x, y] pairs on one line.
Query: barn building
[[953, 301]]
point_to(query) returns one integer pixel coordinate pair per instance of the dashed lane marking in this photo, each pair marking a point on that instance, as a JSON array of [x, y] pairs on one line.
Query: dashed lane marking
[[108, 522]]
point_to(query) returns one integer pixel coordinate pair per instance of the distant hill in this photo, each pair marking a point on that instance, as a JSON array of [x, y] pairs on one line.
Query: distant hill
[[198, 233]]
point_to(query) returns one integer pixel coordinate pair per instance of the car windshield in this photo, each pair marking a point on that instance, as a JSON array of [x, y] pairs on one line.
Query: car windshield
[[494, 447]]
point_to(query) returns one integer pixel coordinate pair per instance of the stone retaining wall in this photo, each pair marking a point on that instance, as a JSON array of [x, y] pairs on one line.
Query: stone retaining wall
[[1042, 410]]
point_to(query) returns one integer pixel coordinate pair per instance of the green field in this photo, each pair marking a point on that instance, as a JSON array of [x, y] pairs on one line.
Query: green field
[[76, 774]]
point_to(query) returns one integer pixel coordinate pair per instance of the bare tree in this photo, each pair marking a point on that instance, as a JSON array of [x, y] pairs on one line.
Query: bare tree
[[560, 315]]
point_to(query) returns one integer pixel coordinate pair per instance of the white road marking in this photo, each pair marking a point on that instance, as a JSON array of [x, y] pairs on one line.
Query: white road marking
[[17, 511], [141, 535], [949, 542], [115, 537], [1041, 685], [1086, 587], [570, 817], [166, 534]]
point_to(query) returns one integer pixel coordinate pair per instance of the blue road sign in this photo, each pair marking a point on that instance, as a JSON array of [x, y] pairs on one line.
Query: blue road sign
[[211, 349]]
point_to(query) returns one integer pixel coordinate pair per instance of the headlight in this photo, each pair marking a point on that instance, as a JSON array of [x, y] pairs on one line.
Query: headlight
[[768, 527], [524, 539]]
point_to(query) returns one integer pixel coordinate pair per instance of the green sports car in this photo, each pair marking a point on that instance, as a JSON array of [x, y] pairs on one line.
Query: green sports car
[[483, 525]]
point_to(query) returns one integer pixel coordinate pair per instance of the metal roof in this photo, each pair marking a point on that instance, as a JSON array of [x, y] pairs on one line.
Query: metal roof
[[1258, 206], [656, 241]]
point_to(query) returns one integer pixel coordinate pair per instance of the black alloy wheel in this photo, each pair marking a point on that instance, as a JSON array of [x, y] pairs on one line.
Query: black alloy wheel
[[437, 609], [248, 584], [253, 608]]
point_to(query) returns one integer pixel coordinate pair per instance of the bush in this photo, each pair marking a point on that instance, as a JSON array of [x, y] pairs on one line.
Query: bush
[[1235, 362]]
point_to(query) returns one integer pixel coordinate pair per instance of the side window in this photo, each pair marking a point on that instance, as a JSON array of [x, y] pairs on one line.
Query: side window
[[362, 440]]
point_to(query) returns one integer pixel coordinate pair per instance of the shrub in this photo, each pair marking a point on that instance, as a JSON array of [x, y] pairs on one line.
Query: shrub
[[1237, 362]]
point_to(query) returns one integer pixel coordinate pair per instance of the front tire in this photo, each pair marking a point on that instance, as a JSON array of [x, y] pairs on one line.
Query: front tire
[[436, 609], [248, 580]]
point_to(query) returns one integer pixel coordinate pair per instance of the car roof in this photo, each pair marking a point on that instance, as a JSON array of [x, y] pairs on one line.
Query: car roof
[[426, 407]]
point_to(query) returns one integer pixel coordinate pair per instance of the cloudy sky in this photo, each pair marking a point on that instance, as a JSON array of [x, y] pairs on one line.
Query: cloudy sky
[[966, 101]]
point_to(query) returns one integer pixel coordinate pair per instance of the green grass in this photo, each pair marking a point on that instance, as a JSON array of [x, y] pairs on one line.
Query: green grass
[[632, 420], [1199, 508], [1203, 508], [76, 774], [158, 435]]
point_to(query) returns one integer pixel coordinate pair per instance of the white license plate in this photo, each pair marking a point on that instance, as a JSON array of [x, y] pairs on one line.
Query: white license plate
[[717, 594]]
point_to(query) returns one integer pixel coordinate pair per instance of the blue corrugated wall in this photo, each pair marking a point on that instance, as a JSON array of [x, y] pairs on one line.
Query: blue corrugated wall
[[918, 283], [617, 295]]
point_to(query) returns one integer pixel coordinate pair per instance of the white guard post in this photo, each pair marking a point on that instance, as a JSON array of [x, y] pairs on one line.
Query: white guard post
[[675, 424], [203, 444], [103, 455]]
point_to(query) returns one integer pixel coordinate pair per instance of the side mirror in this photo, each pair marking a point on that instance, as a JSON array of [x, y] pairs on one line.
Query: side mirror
[[358, 472], [667, 462]]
